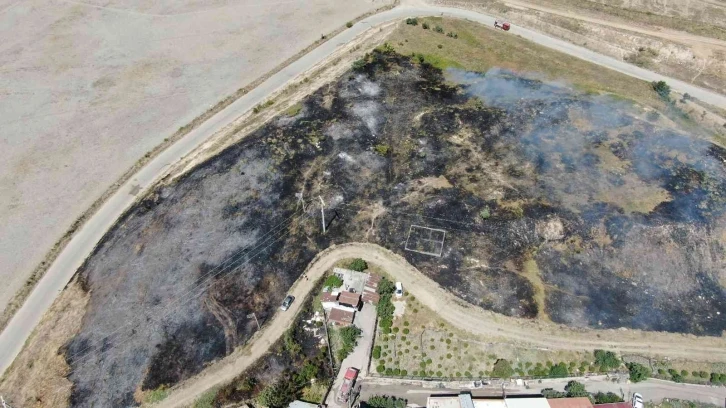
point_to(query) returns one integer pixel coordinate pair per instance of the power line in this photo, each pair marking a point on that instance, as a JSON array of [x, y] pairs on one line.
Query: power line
[[185, 296], [98, 368]]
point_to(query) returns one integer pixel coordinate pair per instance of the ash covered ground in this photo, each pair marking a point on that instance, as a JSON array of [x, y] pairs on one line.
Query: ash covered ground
[[556, 204]]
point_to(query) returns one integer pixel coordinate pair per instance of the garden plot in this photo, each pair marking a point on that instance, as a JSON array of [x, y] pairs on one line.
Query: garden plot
[[421, 345]]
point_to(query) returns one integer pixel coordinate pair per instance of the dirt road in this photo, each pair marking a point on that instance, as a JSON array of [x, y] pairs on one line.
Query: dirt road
[[86, 238], [458, 313]]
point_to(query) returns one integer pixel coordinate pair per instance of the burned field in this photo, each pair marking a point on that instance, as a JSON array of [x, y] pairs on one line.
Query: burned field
[[555, 204]]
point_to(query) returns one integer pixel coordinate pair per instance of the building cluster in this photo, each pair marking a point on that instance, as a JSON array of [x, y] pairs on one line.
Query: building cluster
[[466, 400], [342, 303]]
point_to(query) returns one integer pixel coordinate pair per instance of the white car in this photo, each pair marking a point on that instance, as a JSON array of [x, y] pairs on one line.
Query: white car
[[637, 400], [399, 289]]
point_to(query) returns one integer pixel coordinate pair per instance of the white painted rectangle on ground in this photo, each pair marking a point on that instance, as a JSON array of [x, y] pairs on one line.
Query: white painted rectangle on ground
[[425, 240]]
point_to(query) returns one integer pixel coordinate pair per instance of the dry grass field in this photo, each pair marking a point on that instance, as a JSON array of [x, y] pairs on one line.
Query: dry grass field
[[88, 88]]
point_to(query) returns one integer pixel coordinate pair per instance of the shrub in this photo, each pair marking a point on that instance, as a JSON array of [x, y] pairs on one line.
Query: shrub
[[406, 323], [715, 378], [404, 372], [606, 398], [485, 213], [467, 374], [439, 374], [559, 370], [397, 371], [662, 89], [438, 29], [703, 374], [606, 359], [432, 347], [422, 364], [425, 25], [333, 281], [358, 264], [376, 352], [684, 373], [412, 21], [452, 34], [429, 361], [638, 372], [502, 369], [381, 369], [403, 338], [448, 341], [440, 46], [349, 24], [406, 331], [349, 338], [389, 371], [382, 149], [448, 355], [575, 389], [395, 329]]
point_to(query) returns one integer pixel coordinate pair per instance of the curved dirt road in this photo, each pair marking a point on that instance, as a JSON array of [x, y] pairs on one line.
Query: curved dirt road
[[84, 241], [455, 311]]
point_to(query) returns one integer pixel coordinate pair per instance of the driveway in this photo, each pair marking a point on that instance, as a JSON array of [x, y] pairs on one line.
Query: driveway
[[366, 321]]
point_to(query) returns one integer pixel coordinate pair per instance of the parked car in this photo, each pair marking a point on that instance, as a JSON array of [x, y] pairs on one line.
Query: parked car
[[637, 400], [399, 289], [287, 302], [348, 382]]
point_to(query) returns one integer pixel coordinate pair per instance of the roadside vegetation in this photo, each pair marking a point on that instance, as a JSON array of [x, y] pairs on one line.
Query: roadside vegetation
[[575, 389], [383, 401]]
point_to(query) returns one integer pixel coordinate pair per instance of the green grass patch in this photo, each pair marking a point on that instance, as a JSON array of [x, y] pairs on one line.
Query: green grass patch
[[294, 109], [156, 395], [206, 400]]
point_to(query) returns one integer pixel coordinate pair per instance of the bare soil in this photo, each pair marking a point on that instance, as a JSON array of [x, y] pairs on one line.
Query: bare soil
[[518, 145], [90, 87]]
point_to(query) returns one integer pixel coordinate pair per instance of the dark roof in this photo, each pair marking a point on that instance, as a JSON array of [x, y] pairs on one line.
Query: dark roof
[[349, 298], [329, 297], [341, 316], [579, 402], [370, 296]]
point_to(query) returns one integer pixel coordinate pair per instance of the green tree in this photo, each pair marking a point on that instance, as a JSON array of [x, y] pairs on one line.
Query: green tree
[[715, 378], [333, 281], [412, 21], [576, 389], [606, 398], [502, 369], [606, 359], [276, 395], [552, 393], [638, 372], [376, 352], [358, 264], [559, 370], [662, 89], [384, 401], [348, 338]]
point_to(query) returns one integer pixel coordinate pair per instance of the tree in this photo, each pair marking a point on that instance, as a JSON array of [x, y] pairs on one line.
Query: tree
[[275, 395], [576, 389], [333, 281], [638, 372], [358, 264], [559, 370], [662, 89], [384, 401], [606, 398], [386, 287], [715, 378], [502, 369], [552, 393], [376, 352], [606, 359], [349, 338]]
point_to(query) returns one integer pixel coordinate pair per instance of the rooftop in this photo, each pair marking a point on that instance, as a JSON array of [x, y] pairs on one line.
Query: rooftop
[[579, 402], [349, 298], [341, 316], [465, 400], [329, 297], [351, 279]]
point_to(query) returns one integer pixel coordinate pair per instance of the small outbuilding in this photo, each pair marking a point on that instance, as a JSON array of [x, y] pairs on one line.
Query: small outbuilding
[[341, 317], [350, 300]]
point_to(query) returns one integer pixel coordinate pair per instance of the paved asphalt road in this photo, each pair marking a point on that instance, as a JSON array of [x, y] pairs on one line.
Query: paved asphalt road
[[651, 390], [85, 239]]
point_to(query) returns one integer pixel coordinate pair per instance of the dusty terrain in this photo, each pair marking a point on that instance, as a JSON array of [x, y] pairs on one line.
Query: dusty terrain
[[517, 170], [89, 87]]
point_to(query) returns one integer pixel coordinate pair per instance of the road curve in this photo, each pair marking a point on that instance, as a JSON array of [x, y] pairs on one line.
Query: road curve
[[86, 238], [451, 309]]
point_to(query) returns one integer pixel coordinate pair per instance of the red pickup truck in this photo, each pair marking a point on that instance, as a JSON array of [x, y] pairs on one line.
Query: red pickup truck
[[348, 382]]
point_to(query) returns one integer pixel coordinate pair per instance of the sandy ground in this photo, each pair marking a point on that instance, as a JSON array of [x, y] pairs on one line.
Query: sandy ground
[[87, 88], [456, 312]]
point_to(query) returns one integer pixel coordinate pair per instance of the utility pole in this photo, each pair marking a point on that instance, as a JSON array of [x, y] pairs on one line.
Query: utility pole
[[322, 211], [253, 315], [5, 404]]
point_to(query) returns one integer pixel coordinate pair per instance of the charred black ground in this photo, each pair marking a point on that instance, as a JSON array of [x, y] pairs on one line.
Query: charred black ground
[[556, 204]]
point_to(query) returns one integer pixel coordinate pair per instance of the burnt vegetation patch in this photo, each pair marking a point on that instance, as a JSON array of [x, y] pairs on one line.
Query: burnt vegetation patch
[[554, 203]]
